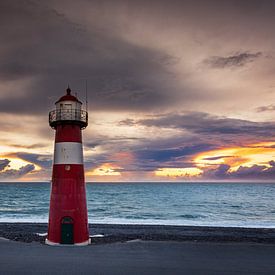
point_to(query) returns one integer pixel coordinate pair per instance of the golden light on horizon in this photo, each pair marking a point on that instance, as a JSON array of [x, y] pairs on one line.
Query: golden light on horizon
[[17, 163], [106, 169], [178, 172], [249, 155]]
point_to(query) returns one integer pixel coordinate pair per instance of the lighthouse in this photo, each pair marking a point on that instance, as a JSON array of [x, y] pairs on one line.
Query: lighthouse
[[68, 221]]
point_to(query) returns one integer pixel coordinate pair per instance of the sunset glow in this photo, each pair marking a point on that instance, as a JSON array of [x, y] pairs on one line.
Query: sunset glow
[[16, 163], [178, 172], [192, 101], [104, 170], [253, 154]]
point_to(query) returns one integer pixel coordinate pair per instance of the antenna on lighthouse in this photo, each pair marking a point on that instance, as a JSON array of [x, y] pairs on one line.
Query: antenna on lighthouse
[[86, 86]]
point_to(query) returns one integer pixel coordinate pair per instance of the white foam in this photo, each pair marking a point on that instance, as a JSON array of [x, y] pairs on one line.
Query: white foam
[[97, 236], [42, 234], [4, 239], [176, 222], [134, 241], [182, 222], [23, 220]]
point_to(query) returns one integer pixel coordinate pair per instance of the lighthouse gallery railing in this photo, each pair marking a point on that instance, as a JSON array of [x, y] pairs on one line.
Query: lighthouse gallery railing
[[68, 115]]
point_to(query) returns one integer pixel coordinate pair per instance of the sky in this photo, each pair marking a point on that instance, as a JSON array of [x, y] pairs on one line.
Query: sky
[[177, 90]]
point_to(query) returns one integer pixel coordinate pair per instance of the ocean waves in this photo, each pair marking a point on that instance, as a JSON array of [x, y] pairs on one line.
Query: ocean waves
[[196, 204]]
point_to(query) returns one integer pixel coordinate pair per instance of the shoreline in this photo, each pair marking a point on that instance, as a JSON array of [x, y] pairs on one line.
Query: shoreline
[[112, 233]]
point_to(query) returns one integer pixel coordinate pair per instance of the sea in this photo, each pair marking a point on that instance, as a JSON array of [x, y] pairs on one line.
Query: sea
[[250, 205]]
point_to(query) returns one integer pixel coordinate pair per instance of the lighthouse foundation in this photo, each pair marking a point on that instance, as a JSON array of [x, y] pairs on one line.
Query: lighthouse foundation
[[76, 244]]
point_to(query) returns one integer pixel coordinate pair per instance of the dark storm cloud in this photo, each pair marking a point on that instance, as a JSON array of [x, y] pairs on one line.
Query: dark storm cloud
[[164, 155], [177, 157], [137, 56], [45, 161], [31, 33], [45, 47], [202, 132], [222, 172], [148, 154], [203, 123], [155, 156], [237, 60], [205, 131]]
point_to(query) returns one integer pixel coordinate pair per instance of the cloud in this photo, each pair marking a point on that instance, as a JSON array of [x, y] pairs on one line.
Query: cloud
[[221, 172], [232, 61], [196, 133], [217, 157], [31, 146], [4, 163], [47, 50], [255, 172], [15, 174], [45, 161], [270, 107], [161, 156], [134, 70], [143, 154], [101, 140], [188, 135], [204, 123], [127, 122]]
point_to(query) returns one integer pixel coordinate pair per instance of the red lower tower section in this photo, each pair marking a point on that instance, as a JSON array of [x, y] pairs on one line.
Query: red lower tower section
[[68, 221]]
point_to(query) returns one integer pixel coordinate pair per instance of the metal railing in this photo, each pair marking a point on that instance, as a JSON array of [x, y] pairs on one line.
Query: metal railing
[[72, 115]]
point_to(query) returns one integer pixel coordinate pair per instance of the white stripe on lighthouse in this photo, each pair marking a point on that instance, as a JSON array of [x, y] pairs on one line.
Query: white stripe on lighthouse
[[68, 153]]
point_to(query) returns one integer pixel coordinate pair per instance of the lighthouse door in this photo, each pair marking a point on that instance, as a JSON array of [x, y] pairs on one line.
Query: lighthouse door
[[67, 231]]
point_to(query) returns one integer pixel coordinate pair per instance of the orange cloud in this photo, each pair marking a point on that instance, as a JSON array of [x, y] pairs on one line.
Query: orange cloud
[[246, 156], [249, 155]]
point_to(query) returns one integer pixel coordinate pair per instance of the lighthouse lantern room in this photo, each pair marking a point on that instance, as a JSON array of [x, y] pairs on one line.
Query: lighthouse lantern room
[[68, 222]]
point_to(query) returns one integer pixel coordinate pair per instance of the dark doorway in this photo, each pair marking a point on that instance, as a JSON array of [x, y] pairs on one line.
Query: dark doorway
[[67, 230]]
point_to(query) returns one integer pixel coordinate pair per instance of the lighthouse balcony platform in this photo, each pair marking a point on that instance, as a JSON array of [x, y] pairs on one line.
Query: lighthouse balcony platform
[[71, 116]]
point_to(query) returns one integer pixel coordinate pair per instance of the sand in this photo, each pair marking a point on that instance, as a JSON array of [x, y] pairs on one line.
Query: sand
[[126, 249], [26, 232]]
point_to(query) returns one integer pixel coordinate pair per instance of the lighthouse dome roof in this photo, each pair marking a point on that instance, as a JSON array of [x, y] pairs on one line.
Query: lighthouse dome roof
[[68, 97]]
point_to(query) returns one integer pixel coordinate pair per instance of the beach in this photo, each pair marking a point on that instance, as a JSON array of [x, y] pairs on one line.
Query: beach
[[109, 233], [140, 249]]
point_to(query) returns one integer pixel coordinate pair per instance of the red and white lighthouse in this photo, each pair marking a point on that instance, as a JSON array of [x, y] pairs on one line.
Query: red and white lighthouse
[[68, 221]]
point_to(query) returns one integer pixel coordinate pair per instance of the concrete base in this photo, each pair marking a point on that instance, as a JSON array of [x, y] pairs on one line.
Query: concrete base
[[48, 242]]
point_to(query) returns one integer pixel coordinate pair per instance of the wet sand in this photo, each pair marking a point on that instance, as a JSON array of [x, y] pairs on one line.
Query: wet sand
[[140, 249]]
